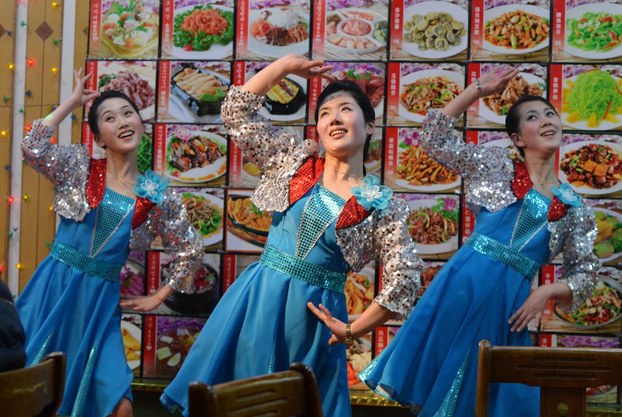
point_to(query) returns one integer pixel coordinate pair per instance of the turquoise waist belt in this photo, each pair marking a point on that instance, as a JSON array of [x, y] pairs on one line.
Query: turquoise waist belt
[[504, 254], [78, 260], [303, 270]]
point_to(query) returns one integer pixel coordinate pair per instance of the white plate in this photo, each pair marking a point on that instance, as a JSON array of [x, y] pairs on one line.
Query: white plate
[[619, 217], [146, 73], [449, 246], [458, 14], [216, 51], [424, 188], [274, 51], [217, 235], [582, 124], [377, 44], [498, 11], [299, 114], [585, 189], [135, 332], [202, 174], [411, 78], [577, 13], [491, 116]]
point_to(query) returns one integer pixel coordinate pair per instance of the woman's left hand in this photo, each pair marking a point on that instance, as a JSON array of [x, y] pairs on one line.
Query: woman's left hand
[[532, 309], [144, 303], [336, 326]]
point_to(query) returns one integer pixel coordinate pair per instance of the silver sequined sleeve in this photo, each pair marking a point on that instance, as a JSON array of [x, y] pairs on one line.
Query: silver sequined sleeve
[[180, 240], [401, 274], [574, 237], [66, 166]]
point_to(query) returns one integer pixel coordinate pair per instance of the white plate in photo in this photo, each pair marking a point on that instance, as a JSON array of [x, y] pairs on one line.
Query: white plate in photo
[[433, 249], [586, 189], [456, 12], [216, 235], [401, 182], [495, 12], [274, 51], [145, 72], [582, 124], [370, 17], [577, 13], [216, 51], [488, 114], [134, 332], [412, 77], [208, 172]]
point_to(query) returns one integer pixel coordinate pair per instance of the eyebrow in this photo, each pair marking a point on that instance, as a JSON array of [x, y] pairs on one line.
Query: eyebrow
[[123, 107], [341, 103]]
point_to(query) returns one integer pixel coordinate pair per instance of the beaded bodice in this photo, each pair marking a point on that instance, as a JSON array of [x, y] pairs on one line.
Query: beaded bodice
[[111, 214]]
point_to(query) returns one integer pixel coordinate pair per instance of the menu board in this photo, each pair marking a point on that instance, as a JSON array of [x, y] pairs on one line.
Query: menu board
[[178, 58]]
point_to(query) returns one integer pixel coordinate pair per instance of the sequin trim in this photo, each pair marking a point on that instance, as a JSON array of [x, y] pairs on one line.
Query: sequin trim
[[531, 219], [39, 357], [448, 406], [111, 214], [504, 254], [78, 260], [78, 405], [303, 270]]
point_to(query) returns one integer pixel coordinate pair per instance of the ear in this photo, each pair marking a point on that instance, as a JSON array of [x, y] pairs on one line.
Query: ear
[[516, 140], [370, 127], [98, 140]]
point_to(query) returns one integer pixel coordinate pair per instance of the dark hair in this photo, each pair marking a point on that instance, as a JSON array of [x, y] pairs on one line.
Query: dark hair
[[354, 91], [512, 118], [92, 117]]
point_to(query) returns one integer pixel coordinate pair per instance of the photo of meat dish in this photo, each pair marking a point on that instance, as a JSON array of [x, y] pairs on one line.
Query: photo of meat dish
[[280, 27]]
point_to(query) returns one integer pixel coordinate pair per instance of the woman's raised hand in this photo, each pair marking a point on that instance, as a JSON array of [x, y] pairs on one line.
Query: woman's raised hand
[[82, 95], [495, 81], [303, 66]]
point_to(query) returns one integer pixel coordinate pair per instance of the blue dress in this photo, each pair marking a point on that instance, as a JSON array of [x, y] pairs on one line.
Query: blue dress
[[262, 323], [431, 364], [71, 304]]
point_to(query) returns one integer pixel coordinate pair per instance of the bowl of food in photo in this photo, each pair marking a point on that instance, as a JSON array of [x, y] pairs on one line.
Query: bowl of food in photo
[[203, 300], [246, 221]]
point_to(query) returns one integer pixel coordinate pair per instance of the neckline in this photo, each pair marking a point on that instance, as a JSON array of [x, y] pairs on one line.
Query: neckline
[[332, 193], [127, 197]]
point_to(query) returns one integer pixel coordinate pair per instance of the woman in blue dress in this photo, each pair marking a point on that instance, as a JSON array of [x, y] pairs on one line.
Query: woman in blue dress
[[525, 218], [327, 219], [71, 303]]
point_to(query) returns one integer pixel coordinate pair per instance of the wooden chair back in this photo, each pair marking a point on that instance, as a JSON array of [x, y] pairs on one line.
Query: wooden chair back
[[35, 391], [287, 393], [563, 374]]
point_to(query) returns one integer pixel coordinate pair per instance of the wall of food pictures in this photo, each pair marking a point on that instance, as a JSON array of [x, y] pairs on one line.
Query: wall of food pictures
[[178, 58]]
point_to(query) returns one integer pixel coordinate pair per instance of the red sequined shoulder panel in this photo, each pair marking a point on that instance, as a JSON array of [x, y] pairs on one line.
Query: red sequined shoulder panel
[[352, 213], [96, 184], [521, 184], [141, 211], [305, 178]]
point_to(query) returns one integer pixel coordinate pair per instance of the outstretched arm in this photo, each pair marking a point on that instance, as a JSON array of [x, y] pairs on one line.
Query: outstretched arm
[[79, 97]]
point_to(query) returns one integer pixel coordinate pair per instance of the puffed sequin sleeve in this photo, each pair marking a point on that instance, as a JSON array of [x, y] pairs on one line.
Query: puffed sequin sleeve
[[402, 267], [574, 237], [181, 241], [445, 145], [264, 144]]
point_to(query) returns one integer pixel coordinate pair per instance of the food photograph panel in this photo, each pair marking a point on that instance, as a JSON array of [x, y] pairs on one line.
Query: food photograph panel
[[197, 29], [346, 30], [191, 155], [587, 31], [132, 334], [409, 168], [247, 226], [514, 31], [192, 92], [490, 111], [270, 29], [124, 29], [417, 87], [423, 30]]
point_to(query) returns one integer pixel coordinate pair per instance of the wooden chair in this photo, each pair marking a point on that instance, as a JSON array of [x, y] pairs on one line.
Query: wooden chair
[[287, 393], [35, 391], [562, 373]]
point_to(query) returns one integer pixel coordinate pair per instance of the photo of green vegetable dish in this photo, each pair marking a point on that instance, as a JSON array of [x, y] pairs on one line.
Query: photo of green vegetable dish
[[595, 31]]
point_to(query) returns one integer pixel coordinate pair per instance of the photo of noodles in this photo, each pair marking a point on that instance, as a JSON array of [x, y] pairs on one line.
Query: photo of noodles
[[246, 221], [500, 103], [517, 30], [428, 92], [418, 169], [279, 27], [593, 165], [205, 214], [359, 290], [592, 99]]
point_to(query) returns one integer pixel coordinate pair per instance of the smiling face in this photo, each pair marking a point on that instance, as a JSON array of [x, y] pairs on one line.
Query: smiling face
[[120, 126], [342, 127], [539, 128]]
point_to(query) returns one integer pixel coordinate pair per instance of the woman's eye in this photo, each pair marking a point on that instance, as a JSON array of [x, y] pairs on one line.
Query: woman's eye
[[129, 113]]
